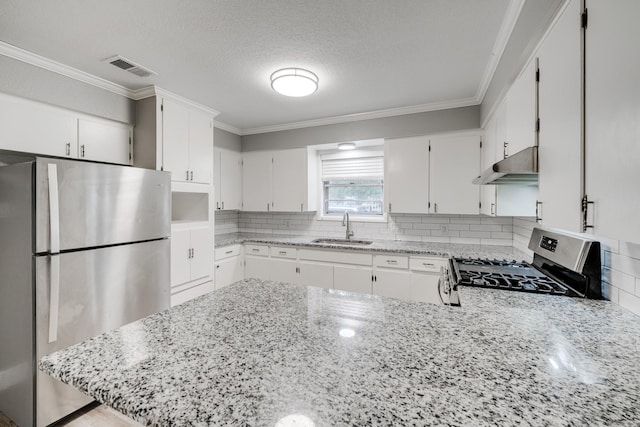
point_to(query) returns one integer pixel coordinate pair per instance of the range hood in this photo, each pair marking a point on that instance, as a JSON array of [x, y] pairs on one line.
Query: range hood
[[520, 168]]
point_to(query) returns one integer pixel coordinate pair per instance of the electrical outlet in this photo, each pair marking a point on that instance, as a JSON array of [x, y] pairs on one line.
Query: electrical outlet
[[444, 228]]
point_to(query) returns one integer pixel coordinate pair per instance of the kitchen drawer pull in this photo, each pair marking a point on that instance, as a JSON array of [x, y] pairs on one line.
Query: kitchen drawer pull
[[229, 252], [428, 264], [255, 250], [282, 252], [392, 261]]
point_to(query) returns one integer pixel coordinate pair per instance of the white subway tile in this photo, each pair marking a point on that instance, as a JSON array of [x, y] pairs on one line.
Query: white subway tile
[[435, 219], [465, 220], [610, 293], [450, 233], [619, 279], [494, 242], [496, 220], [630, 302], [485, 227], [459, 227], [629, 249], [476, 234], [638, 286], [501, 235], [625, 264], [465, 240], [435, 239]]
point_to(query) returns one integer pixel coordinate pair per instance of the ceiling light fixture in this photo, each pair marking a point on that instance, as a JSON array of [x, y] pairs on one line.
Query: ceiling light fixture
[[294, 82], [347, 146]]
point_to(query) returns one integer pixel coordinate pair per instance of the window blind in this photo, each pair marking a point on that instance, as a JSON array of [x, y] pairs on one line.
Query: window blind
[[360, 167]]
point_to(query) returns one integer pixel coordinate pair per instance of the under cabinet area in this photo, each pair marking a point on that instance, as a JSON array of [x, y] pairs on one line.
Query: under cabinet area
[[409, 277]]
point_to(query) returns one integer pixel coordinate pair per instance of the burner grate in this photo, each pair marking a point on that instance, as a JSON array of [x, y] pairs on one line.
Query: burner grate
[[515, 282]]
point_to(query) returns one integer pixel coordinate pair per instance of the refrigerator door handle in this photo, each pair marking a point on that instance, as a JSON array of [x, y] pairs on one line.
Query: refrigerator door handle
[[54, 208], [54, 300], [54, 227]]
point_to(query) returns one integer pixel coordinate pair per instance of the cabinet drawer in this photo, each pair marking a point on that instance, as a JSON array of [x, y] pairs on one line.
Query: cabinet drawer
[[260, 250], [283, 252], [392, 261], [227, 251], [427, 264], [190, 293]]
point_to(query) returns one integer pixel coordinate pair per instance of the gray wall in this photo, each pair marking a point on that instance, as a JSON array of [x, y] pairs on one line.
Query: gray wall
[[28, 81], [228, 140], [534, 19], [388, 127]]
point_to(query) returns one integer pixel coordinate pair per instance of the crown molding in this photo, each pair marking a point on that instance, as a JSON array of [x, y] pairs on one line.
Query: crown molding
[[149, 91], [228, 128], [15, 52], [423, 108], [504, 34]]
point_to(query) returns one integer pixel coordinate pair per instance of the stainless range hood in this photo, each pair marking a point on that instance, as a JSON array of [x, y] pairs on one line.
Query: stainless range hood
[[520, 168]]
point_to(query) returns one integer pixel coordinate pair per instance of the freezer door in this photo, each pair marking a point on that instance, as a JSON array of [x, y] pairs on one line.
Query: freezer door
[[99, 290], [99, 204]]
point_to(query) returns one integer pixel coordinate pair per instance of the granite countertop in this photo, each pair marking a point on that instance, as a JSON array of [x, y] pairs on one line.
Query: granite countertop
[[388, 246], [260, 353]]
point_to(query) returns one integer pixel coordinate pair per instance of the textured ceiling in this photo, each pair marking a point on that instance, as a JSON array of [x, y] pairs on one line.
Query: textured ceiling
[[369, 54]]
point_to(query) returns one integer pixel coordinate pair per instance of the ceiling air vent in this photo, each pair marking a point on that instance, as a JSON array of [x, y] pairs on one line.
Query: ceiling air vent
[[130, 66]]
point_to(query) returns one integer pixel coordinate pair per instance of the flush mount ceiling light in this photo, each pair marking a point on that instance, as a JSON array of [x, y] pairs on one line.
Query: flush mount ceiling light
[[294, 82], [347, 146]]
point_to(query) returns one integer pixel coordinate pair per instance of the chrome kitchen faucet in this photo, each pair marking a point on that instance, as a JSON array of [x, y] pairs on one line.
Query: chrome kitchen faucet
[[347, 223]]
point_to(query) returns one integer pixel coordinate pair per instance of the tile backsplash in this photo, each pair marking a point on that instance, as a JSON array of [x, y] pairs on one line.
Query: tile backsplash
[[464, 229]]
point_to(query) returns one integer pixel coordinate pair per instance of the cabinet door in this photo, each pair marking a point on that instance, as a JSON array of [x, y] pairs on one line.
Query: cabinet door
[[257, 267], [423, 287], [175, 139], [202, 253], [560, 147], [230, 180], [228, 271], [352, 278], [455, 162], [315, 274], [256, 181], [284, 270], [488, 155], [104, 141], [217, 177], [36, 128], [406, 175], [201, 146], [392, 283], [180, 261], [289, 183], [613, 118], [521, 107]]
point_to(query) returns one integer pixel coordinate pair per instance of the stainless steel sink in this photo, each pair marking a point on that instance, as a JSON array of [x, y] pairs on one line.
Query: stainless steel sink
[[343, 242]]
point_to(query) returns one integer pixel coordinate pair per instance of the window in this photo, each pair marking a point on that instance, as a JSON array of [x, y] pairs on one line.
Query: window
[[353, 185]]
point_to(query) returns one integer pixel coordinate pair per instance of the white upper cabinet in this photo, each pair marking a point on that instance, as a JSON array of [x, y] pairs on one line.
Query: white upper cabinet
[[559, 152], [256, 181], [613, 118], [104, 141], [293, 181], [187, 141], [454, 163], [228, 179], [521, 112], [38, 128], [406, 175], [282, 181]]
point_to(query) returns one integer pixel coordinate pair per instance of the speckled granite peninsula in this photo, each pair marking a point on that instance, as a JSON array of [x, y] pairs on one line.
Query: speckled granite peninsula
[[256, 352]]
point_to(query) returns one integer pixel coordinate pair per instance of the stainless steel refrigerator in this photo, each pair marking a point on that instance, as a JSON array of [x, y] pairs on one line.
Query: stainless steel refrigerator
[[83, 249]]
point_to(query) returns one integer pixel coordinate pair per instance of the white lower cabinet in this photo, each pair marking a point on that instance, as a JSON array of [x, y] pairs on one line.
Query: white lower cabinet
[[186, 293], [191, 254], [229, 266], [405, 277], [352, 278], [312, 273]]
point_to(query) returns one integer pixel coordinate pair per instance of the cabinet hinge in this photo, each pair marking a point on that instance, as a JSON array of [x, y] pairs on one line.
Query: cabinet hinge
[[585, 18], [538, 75]]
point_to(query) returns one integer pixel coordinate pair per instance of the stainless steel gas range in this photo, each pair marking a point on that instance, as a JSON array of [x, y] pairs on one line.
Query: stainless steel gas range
[[563, 264]]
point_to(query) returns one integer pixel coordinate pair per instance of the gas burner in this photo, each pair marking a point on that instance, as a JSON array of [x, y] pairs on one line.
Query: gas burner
[[491, 262], [514, 282]]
